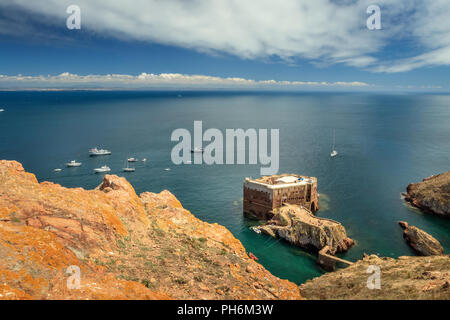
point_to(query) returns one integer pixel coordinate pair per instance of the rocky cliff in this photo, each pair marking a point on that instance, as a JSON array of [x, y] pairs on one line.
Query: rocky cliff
[[301, 228], [422, 242], [126, 246], [402, 278], [431, 195]]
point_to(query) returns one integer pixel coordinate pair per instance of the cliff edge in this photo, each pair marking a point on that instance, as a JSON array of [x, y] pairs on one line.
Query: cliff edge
[[126, 246], [405, 278], [431, 195]]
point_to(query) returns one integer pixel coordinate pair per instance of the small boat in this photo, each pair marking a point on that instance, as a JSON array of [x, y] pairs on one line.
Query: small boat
[[102, 169], [99, 152], [73, 163], [257, 230], [128, 168], [197, 150], [334, 153], [1, 110], [57, 170], [167, 169], [132, 160], [144, 160]]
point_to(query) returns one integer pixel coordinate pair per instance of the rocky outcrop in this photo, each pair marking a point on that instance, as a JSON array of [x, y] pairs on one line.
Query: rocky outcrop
[[420, 241], [413, 278], [301, 228], [126, 246], [431, 195]]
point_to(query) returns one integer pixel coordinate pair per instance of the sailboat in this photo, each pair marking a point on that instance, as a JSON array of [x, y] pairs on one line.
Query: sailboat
[[128, 168], [334, 153]]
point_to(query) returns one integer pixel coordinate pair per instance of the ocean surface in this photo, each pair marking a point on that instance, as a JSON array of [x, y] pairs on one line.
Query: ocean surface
[[385, 141]]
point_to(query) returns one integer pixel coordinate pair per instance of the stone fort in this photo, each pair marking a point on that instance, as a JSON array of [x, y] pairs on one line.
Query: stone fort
[[262, 196]]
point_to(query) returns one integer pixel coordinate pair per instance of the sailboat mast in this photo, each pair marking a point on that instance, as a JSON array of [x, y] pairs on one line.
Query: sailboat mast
[[334, 139]]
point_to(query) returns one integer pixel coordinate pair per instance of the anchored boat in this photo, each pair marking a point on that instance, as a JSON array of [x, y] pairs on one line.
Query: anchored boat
[[334, 153], [99, 152], [128, 168], [73, 163], [102, 169], [197, 150]]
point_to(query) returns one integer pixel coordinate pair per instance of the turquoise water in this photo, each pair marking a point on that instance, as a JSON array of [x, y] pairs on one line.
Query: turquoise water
[[384, 142]]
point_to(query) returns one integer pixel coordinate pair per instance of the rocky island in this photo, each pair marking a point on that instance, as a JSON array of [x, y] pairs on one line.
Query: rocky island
[[431, 195], [423, 243], [287, 202], [125, 246], [300, 227]]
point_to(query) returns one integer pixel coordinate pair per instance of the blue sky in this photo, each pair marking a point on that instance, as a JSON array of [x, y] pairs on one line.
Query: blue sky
[[295, 45]]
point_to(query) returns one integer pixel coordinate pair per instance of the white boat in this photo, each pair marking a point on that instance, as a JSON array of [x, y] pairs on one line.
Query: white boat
[[167, 169], [197, 150], [99, 152], [1, 110], [57, 170], [334, 153], [73, 163], [132, 160], [102, 169], [128, 168], [255, 229], [144, 160]]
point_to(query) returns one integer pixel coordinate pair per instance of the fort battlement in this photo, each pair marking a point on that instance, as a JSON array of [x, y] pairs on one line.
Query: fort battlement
[[264, 195]]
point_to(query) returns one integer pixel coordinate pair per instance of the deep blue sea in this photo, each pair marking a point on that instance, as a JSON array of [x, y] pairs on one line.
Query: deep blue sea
[[385, 141]]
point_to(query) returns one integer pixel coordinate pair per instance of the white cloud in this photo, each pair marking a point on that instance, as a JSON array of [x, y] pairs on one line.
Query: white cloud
[[429, 25], [320, 31], [438, 57], [163, 80]]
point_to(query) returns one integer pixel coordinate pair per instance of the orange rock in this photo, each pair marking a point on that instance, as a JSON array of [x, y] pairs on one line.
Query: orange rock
[[46, 228]]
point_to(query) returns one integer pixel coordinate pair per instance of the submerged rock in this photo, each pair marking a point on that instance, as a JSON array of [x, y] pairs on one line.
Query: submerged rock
[[431, 195], [301, 228], [421, 241]]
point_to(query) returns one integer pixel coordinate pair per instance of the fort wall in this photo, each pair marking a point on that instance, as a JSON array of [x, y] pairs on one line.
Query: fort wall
[[263, 196]]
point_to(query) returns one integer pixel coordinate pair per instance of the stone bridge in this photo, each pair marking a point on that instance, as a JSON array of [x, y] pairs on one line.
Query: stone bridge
[[328, 261]]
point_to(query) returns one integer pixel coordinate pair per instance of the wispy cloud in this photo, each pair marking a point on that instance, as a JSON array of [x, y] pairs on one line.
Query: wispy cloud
[[319, 31], [163, 80]]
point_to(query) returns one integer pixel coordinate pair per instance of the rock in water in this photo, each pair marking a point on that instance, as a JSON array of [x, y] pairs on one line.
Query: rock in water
[[301, 228], [431, 195], [421, 241]]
